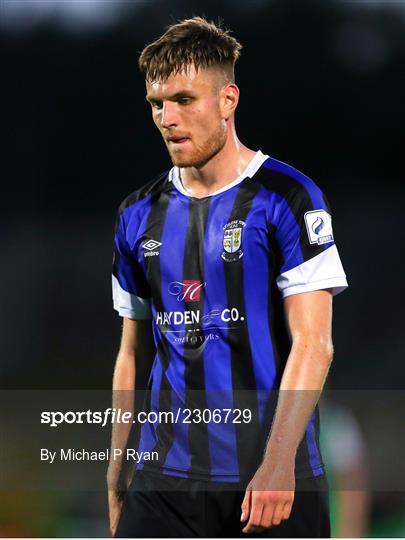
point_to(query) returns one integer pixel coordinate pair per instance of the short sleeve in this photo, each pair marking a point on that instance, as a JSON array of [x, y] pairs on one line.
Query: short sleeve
[[131, 292], [309, 257]]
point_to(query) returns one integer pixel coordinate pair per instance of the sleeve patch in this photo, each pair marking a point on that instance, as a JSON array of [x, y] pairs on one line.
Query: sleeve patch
[[319, 226]]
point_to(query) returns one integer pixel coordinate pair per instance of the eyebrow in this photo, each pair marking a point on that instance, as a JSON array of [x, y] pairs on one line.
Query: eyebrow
[[174, 97]]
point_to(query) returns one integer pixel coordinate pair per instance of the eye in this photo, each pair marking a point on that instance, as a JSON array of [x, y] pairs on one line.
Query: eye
[[156, 105], [184, 100]]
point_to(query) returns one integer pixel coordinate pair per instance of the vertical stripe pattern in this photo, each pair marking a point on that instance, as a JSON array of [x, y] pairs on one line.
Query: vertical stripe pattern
[[210, 266]]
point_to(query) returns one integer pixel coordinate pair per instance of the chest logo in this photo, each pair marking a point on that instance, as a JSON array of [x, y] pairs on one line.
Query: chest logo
[[232, 241], [188, 290], [150, 248]]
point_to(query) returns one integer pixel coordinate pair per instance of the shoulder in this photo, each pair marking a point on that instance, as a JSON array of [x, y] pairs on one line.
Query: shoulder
[[283, 178], [146, 192], [286, 181], [134, 208]]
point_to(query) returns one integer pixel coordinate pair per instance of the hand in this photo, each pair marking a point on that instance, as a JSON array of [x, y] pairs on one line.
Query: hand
[[269, 497], [114, 506]]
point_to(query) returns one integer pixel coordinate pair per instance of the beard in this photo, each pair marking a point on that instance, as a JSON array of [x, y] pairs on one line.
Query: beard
[[199, 155]]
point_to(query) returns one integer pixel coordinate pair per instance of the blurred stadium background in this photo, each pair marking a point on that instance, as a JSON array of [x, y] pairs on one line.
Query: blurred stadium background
[[322, 87]]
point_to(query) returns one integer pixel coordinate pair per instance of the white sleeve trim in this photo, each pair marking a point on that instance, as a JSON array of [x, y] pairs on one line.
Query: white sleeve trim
[[128, 305], [324, 271]]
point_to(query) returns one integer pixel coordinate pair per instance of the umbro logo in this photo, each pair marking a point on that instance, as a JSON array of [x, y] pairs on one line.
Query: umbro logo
[[151, 244], [150, 247]]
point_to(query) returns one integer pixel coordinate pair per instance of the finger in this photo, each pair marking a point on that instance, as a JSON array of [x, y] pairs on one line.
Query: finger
[[267, 516], [287, 510], [256, 511], [278, 514], [246, 505]]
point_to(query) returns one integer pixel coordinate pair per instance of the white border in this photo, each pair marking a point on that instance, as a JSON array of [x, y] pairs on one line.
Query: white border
[[324, 271], [258, 159], [128, 305]]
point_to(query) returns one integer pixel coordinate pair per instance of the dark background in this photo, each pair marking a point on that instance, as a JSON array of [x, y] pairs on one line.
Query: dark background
[[322, 88]]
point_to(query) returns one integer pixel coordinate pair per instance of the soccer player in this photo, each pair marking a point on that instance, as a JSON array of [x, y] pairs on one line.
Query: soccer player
[[229, 256]]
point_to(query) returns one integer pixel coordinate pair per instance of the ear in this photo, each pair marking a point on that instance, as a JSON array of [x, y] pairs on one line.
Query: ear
[[229, 98]]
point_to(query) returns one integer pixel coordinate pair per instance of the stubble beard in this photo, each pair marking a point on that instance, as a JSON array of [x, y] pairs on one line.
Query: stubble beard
[[201, 155]]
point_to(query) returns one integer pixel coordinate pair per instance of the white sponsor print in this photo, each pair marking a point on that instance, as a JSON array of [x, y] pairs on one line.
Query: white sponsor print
[[211, 316], [196, 338], [164, 318], [190, 317], [319, 226]]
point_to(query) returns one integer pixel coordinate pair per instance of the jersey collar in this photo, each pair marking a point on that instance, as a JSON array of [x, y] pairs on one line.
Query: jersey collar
[[258, 159]]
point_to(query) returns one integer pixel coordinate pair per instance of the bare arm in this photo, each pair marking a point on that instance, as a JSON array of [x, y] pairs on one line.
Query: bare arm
[[136, 347], [309, 318], [123, 397], [270, 494]]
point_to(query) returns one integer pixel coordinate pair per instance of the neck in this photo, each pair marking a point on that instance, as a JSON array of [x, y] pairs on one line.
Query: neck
[[221, 170]]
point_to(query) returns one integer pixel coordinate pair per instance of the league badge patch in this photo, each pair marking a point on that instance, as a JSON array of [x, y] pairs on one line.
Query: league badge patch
[[232, 241], [319, 227]]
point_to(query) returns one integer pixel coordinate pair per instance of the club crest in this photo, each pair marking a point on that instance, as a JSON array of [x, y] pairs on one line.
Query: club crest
[[232, 240]]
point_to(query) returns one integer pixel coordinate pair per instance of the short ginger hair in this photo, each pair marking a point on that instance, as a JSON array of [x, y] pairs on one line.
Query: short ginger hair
[[196, 42]]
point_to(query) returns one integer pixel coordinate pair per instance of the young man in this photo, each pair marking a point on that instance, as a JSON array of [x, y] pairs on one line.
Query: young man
[[231, 254]]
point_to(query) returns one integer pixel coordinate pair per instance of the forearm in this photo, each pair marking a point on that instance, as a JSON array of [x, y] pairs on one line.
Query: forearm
[[301, 386], [269, 495], [123, 398]]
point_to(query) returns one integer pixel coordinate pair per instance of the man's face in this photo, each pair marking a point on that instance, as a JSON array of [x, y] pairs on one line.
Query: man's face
[[186, 108]]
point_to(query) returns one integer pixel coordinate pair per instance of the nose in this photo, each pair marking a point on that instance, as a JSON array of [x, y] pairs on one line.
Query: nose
[[168, 118]]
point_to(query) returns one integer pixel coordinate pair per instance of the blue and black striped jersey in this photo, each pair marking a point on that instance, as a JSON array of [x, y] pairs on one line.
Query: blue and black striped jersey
[[211, 273]]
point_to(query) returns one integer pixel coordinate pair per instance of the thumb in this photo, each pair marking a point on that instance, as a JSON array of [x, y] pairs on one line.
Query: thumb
[[246, 505]]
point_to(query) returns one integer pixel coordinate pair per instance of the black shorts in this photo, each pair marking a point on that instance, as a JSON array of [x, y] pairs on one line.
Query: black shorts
[[166, 506]]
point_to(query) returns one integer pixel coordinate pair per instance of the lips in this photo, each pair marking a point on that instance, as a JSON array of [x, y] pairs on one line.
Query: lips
[[177, 140]]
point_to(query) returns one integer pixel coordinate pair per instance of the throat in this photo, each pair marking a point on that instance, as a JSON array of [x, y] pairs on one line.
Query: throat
[[200, 188], [201, 184]]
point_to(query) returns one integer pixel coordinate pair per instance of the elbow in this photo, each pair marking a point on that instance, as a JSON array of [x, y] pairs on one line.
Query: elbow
[[327, 351], [319, 347]]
